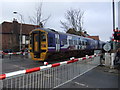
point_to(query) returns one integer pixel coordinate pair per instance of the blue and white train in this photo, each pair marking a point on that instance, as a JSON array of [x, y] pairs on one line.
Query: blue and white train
[[48, 43]]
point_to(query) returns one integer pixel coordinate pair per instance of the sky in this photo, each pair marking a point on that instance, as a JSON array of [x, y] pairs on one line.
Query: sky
[[97, 15]]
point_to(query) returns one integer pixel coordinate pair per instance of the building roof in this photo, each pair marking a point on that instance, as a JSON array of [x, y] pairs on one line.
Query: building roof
[[94, 37], [7, 27]]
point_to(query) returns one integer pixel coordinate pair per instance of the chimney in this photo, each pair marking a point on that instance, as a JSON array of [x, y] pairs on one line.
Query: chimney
[[15, 26], [15, 31]]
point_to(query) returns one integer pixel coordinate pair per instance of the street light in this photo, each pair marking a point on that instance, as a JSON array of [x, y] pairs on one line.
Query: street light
[[20, 29]]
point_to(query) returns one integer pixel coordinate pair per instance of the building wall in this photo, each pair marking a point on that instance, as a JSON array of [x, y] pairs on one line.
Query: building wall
[[10, 34]]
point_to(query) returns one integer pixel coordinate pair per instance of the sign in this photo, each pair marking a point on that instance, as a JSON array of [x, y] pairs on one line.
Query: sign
[[107, 47]]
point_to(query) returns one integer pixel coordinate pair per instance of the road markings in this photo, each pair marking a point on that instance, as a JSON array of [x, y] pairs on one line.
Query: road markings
[[81, 84]]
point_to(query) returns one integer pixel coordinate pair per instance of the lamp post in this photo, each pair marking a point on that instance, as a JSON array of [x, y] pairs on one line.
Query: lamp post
[[20, 29]]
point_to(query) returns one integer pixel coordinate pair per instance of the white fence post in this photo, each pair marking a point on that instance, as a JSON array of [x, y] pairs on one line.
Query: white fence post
[[107, 59], [112, 59]]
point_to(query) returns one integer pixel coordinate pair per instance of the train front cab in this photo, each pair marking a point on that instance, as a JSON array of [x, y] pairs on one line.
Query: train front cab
[[38, 45]]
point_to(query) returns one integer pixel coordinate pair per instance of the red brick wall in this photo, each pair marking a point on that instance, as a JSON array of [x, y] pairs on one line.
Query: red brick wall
[[10, 34]]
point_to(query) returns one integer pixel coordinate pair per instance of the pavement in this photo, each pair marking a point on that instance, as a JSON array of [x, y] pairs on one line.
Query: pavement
[[18, 63], [99, 77]]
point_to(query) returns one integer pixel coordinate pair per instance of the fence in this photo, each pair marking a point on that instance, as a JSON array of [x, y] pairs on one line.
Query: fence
[[50, 76], [10, 55]]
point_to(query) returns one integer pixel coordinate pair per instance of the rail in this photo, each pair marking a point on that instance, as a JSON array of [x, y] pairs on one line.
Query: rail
[[50, 76]]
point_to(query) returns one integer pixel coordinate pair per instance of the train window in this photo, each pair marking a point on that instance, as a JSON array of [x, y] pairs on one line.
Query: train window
[[88, 43], [82, 42], [43, 38], [43, 33], [71, 42], [79, 42], [64, 41], [75, 42], [51, 39], [37, 38]]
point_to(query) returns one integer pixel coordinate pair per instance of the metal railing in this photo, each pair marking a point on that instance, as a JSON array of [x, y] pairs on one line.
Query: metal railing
[[50, 76]]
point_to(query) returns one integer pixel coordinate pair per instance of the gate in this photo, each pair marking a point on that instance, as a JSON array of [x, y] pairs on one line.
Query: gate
[[50, 76]]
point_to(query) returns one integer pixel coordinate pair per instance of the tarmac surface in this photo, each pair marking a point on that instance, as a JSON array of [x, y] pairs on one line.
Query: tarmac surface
[[19, 62], [99, 77]]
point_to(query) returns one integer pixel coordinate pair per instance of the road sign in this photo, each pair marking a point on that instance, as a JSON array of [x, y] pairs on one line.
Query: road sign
[[107, 47]]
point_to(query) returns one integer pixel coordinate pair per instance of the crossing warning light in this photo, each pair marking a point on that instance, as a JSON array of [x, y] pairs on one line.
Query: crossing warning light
[[116, 35]]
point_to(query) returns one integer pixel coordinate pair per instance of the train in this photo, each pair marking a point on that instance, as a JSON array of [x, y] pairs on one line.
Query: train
[[47, 44]]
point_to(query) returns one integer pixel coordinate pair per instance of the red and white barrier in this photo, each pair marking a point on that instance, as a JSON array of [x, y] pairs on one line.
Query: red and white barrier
[[116, 30], [115, 40], [14, 53], [7, 75]]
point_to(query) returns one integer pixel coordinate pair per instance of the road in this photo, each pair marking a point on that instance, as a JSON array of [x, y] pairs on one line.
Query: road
[[18, 63], [99, 77]]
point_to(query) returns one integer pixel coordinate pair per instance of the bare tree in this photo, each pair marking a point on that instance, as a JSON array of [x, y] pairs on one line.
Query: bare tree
[[74, 19], [38, 18]]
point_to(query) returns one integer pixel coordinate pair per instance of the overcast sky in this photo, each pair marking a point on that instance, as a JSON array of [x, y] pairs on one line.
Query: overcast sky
[[97, 17]]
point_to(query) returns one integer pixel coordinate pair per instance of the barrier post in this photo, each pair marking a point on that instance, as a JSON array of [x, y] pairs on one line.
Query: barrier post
[[112, 59], [107, 59], [2, 55]]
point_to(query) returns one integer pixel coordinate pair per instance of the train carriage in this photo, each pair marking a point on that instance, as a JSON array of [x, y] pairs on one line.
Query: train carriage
[[47, 43]]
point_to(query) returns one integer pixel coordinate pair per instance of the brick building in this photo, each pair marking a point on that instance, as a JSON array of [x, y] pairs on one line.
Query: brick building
[[94, 37], [10, 35]]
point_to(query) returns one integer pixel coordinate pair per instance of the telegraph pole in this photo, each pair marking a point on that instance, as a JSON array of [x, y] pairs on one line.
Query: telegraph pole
[[113, 8]]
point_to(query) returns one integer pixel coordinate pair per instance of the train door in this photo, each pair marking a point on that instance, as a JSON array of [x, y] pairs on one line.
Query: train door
[[57, 42], [36, 43]]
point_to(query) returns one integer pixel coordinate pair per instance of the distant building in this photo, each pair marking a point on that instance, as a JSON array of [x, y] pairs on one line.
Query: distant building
[[94, 37], [10, 35]]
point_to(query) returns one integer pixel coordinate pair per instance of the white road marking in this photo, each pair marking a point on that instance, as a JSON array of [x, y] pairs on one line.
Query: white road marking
[[81, 84]]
